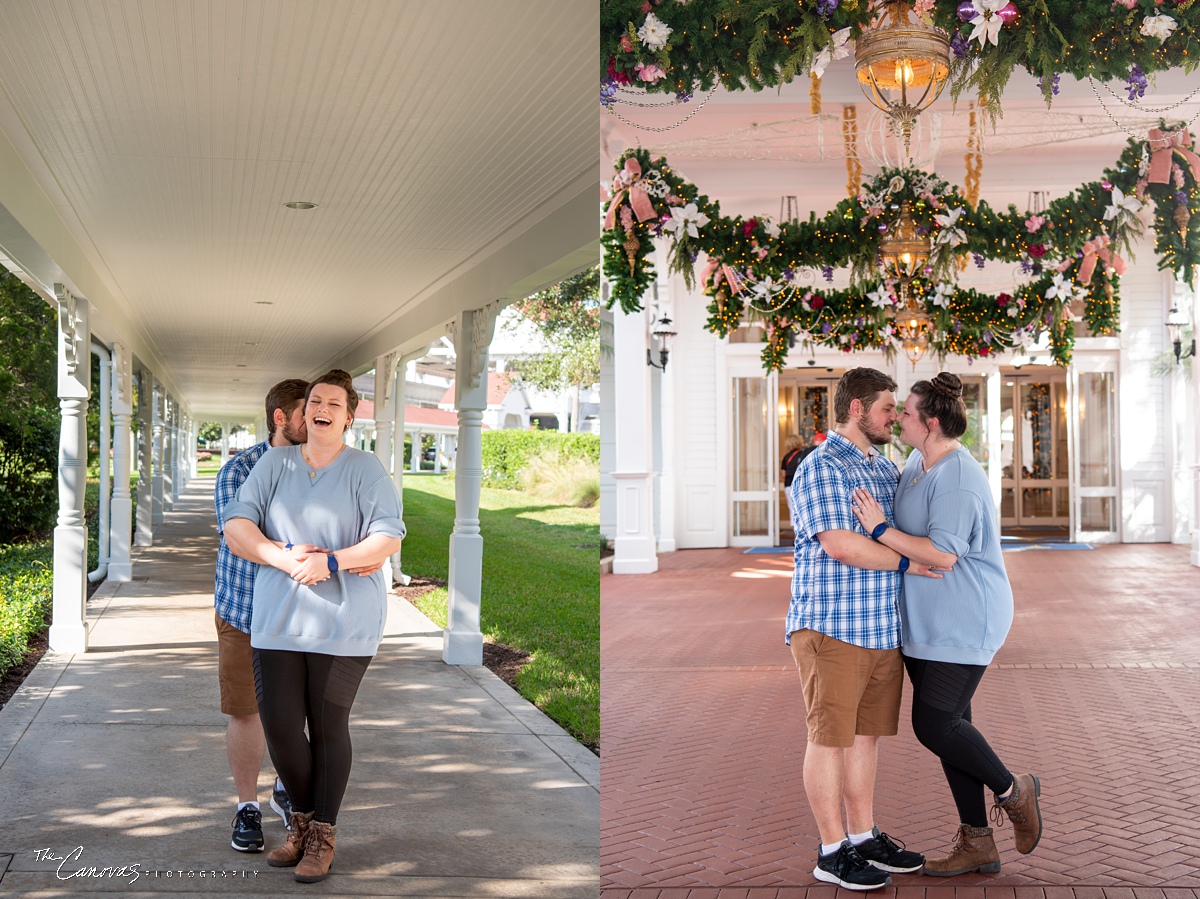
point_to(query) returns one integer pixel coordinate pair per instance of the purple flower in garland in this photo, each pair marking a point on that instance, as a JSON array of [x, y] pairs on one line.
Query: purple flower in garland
[[1026, 268], [788, 274], [959, 44], [826, 328], [1180, 198], [683, 96], [608, 91], [1053, 85], [986, 337], [1137, 82], [825, 8], [827, 272], [978, 260], [957, 327], [694, 255]]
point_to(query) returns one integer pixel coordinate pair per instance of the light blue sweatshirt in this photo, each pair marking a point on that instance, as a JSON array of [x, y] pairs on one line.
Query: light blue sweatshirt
[[965, 616], [341, 505]]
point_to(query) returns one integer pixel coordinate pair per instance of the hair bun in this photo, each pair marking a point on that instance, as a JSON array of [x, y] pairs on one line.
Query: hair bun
[[948, 385]]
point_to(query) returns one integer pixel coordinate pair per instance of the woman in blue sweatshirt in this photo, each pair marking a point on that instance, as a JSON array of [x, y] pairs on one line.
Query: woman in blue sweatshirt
[[319, 518], [952, 627]]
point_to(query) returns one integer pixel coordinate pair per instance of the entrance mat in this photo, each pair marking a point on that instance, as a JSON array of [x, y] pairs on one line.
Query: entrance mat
[[1022, 547], [768, 550]]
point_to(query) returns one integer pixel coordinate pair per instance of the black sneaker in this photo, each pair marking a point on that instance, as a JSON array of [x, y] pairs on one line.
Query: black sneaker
[[247, 830], [848, 869], [882, 852], [282, 806]]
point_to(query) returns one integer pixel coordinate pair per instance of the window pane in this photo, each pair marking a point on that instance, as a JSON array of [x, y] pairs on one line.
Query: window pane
[[750, 519]]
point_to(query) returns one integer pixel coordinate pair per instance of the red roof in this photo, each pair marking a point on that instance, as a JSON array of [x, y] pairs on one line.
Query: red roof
[[413, 415], [498, 386]]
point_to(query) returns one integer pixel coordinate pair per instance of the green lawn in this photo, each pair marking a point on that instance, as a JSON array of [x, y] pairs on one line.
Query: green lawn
[[541, 589]]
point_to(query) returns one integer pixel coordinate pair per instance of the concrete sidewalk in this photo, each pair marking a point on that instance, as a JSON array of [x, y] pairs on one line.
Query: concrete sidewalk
[[116, 759], [1097, 691]]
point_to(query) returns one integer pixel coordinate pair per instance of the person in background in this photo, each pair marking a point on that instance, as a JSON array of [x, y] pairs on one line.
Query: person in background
[[233, 593], [946, 518], [795, 452]]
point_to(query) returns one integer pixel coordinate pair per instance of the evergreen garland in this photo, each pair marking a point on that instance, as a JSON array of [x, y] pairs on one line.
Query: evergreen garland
[[773, 266]]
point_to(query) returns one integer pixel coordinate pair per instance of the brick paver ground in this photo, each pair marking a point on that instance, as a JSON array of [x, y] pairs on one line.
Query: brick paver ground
[[1097, 691]]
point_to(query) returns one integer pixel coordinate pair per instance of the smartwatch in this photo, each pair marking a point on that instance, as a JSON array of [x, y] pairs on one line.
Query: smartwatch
[[903, 564], [289, 546], [333, 566], [879, 529]]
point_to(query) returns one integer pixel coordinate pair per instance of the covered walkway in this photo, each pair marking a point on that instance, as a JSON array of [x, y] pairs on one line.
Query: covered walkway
[[1097, 691], [460, 787]]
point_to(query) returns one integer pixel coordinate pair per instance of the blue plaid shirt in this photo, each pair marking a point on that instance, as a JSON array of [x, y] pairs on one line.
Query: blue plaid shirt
[[234, 592], [850, 604]]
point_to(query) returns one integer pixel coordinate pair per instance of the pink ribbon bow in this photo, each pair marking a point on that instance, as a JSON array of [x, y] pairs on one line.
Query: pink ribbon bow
[[1097, 248], [628, 181], [1163, 144], [736, 282]]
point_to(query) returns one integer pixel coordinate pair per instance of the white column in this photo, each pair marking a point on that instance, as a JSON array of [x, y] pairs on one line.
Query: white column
[[633, 546], [471, 332], [145, 506], [994, 383], [224, 442], [385, 415], [160, 402], [437, 452], [68, 632], [120, 568], [414, 461], [104, 510], [170, 453]]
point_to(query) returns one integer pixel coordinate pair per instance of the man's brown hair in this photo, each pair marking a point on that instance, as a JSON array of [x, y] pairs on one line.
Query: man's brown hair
[[859, 384], [336, 377], [285, 396]]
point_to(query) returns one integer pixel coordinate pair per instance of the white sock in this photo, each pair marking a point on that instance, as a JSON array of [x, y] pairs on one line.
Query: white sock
[[242, 805], [830, 848], [857, 839]]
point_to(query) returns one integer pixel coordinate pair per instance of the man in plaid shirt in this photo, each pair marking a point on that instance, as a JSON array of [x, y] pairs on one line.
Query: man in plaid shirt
[[843, 626], [233, 595]]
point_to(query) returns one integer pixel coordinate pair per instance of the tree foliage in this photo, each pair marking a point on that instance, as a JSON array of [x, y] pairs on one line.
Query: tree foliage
[[567, 315], [29, 415]]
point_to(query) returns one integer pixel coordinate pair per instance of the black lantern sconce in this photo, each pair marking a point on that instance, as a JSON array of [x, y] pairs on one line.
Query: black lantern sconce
[[1176, 322], [664, 332]]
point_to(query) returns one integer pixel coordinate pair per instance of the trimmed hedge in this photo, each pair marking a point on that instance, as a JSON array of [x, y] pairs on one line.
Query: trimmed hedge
[[26, 593], [507, 452]]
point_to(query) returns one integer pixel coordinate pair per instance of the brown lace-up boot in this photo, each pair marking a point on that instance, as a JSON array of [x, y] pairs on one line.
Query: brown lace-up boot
[[974, 850], [318, 852], [293, 850], [1021, 806]]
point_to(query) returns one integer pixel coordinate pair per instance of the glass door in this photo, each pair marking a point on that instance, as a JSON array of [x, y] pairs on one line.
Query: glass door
[[805, 409], [1093, 410], [1035, 483], [754, 457]]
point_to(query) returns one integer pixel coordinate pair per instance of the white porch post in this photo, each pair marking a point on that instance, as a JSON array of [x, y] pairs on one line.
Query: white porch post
[[145, 506], [437, 453], [170, 454], [104, 516], [120, 569], [400, 380], [471, 332], [160, 402], [385, 420], [224, 442], [68, 632], [633, 545], [414, 462]]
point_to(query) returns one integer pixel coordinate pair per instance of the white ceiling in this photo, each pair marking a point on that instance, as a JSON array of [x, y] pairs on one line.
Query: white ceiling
[[450, 148], [748, 149]]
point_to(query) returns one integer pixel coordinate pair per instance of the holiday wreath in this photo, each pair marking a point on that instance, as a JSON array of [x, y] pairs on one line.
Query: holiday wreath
[[756, 267]]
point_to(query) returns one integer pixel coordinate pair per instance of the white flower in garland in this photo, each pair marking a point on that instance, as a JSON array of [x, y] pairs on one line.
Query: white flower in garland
[[1061, 289], [654, 32], [1123, 208], [880, 297], [943, 293], [895, 185], [1024, 337], [686, 220], [772, 229], [768, 287], [838, 48], [987, 23], [950, 235], [1158, 26]]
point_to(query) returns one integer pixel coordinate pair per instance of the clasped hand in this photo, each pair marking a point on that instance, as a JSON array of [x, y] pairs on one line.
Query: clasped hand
[[311, 564]]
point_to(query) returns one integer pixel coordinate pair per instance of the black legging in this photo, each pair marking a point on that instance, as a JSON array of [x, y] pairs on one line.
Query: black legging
[[298, 687], [941, 719]]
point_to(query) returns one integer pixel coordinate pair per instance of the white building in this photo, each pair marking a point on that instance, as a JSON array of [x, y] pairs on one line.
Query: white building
[[1105, 449]]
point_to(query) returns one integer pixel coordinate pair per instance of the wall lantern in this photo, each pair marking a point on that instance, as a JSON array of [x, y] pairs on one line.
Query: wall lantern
[[664, 332]]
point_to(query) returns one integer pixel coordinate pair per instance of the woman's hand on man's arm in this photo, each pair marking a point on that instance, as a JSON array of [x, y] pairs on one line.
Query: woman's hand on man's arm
[[919, 549]]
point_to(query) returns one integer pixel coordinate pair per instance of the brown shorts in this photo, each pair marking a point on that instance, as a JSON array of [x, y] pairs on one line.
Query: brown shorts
[[848, 690], [235, 670]]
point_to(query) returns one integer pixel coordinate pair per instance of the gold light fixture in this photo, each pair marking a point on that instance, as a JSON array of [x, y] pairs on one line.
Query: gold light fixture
[[902, 65], [904, 253]]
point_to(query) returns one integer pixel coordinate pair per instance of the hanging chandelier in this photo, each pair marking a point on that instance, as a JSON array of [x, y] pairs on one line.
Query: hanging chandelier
[[902, 65], [903, 253]]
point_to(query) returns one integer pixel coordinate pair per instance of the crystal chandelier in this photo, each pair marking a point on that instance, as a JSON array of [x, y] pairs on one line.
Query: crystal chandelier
[[904, 252], [902, 65]]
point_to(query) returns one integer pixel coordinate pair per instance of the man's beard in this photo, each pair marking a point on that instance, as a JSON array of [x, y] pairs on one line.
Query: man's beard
[[878, 438], [292, 435]]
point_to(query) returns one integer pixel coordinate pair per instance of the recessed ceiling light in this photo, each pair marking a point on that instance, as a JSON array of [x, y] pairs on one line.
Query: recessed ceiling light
[[240, 365], [263, 303], [300, 204], [248, 343]]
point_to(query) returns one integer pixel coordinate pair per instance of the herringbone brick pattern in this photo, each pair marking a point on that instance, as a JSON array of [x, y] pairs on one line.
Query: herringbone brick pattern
[[1097, 691]]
